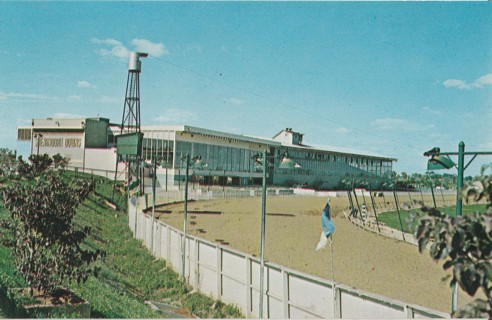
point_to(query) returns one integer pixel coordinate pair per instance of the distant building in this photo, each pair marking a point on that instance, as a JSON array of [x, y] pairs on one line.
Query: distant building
[[90, 144]]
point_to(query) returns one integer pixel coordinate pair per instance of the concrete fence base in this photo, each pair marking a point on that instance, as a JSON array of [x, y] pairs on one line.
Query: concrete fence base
[[234, 277]]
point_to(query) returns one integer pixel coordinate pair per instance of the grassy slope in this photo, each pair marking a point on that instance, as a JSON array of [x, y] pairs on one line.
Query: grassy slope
[[8, 274], [391, 218], [128, 275]]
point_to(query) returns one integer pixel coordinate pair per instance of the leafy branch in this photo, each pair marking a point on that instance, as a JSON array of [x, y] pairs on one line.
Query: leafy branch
[[465, 243], [46, 243]]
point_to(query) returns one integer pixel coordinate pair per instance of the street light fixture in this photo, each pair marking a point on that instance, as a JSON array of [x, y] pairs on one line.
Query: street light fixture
[[288, 163], [440, 160]]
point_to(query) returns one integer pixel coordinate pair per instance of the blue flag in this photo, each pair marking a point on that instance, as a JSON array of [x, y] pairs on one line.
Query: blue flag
[[327, 225]]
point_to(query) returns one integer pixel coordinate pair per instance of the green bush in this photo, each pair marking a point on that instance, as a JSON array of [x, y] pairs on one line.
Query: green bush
[[206, 307], [465, 244], [46, 244]]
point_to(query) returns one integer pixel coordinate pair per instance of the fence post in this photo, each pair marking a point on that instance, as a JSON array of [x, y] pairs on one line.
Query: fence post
[[219, 272], [249, 294], [399, 217], [285, 298], [158, 242], [161, 254], [375, 211], [168, 244], [337, 312], [136, 219], [197, 264], [408, 311]]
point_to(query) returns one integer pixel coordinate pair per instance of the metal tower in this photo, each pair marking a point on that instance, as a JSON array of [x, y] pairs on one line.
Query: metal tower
[[130, 121], [129, 142]]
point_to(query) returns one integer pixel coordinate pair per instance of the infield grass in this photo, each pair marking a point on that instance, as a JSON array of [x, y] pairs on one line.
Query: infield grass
[[391, 219]]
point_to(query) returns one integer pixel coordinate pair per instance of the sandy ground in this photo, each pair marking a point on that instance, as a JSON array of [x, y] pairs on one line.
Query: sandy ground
[[361, 259]]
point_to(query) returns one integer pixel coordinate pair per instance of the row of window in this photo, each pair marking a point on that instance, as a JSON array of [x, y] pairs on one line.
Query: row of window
[[217, 157], [240, 160], [24, 134], [327, 157], [157, 149]]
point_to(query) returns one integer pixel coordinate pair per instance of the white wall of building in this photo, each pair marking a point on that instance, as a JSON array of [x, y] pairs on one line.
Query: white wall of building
[[67, 144], [100, 159]]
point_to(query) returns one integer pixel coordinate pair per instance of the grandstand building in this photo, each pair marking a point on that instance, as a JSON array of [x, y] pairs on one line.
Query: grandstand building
[[229, 158]]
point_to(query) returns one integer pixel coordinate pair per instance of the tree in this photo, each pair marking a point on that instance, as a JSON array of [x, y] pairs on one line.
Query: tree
[[46, 243], [7, 162], [465, 243], [59, 161]]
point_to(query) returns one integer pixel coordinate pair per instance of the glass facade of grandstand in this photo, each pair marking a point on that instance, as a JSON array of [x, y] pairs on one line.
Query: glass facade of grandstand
[[238, 161], [217, 157]]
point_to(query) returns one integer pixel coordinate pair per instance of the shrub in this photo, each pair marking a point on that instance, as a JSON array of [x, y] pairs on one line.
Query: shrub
[[465, 243], [7, 162], [60, 161], [46, 243]]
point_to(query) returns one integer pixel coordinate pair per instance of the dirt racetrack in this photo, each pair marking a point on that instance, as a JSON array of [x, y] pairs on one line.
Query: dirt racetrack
[[293, 225]]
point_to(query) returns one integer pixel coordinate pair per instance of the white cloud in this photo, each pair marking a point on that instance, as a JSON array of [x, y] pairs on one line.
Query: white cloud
[[75, 97], [431, 110], [85, 84], [454, 83], [236, 102], [481, 82], [25, 95], [398, 124], [153, 49], [118, 50], [108, 99], [342, 130], [176, 116], [67, 115], [111, 42]]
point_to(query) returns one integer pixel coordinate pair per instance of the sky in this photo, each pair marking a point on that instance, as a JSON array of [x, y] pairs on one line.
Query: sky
[[391, 78]]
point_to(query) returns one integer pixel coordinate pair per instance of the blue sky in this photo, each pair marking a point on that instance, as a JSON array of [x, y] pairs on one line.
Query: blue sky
[[393, 78]]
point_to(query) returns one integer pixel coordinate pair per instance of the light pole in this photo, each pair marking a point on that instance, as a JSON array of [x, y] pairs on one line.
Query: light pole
[[196, 160], [163, 164], [185, 217], [286, 163], [440, 160], [38, 137], [263, 221], [154, 175]]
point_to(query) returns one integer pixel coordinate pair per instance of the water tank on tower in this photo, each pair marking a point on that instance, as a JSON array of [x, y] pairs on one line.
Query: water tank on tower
[[134, 63]]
